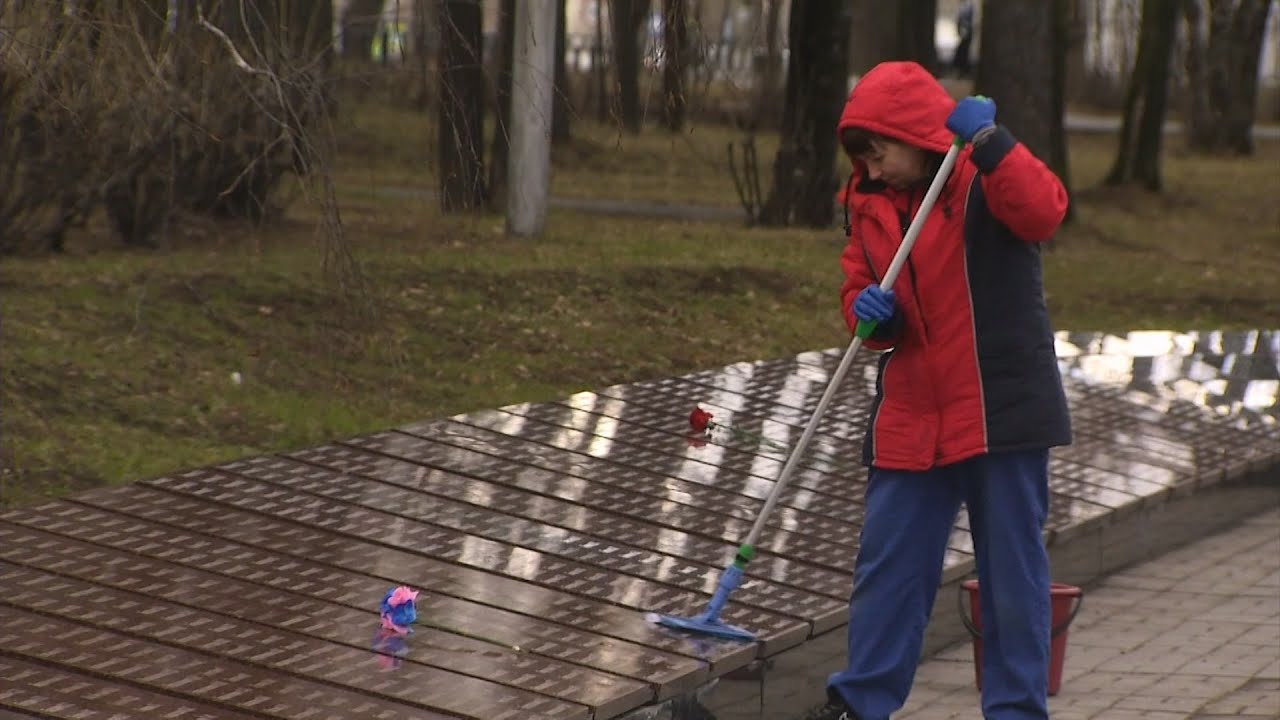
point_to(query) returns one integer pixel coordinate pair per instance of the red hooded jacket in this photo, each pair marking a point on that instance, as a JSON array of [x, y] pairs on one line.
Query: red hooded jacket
[[972, 367]]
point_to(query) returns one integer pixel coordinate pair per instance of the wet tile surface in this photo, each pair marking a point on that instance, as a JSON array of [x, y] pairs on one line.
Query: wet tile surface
[[540, 535]]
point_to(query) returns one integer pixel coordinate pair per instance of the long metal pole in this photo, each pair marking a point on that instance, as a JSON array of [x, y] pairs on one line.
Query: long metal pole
[[533, 82], [891, 275]]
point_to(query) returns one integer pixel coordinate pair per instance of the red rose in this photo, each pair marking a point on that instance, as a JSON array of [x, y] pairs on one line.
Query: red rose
[[699, 419]]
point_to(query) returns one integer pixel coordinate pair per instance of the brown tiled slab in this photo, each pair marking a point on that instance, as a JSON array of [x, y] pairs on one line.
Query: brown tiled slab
[[1193, 429], [276, 650], [574, 466], [119, 658], [1089, 449], [699, 468], [540, 534], [732, 457], [727, 392], [671, 455], [508, 515], [533, 547], [1087, 483], [758, 408], [343, 599], [355, 571], [401, 459], [49, 691], [525, 669], [749, 437]]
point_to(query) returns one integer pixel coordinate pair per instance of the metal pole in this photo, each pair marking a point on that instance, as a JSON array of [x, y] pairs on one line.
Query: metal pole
[[533, 82]]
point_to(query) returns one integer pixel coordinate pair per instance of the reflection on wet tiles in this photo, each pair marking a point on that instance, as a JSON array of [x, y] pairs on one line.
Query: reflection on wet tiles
[[798, 494], [637, 478], [500, 544], [1235, 374], [757, 426], [661, 450], [533, 520]]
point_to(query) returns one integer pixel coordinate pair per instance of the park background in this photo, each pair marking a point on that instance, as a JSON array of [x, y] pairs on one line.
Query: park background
[[230, 227]]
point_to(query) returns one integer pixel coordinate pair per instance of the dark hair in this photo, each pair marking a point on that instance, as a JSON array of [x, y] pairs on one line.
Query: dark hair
[[857, 141]]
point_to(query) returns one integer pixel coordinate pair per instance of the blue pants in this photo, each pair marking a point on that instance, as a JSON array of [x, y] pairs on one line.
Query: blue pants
[[909, 518]]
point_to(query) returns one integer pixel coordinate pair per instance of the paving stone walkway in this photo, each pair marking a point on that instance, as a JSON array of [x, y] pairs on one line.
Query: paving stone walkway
[[1191, 635]]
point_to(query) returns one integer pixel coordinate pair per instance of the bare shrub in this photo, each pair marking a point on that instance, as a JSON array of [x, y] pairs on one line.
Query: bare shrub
[[143, 111]]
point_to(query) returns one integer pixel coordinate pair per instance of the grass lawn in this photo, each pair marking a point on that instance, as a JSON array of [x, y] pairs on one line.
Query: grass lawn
[[118, 365]]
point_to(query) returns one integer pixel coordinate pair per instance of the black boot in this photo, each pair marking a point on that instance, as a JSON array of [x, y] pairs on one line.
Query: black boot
[[833, 710]]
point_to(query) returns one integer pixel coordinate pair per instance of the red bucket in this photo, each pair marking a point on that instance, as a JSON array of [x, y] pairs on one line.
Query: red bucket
[[1065, 601]]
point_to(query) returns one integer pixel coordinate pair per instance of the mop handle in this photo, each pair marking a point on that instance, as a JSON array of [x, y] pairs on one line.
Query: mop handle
[[899, 259]]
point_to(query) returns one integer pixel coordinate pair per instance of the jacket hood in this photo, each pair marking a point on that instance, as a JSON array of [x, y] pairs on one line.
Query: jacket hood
[[903, 101]]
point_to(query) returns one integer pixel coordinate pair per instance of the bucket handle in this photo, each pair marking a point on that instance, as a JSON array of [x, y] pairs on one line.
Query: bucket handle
[[977, 634]]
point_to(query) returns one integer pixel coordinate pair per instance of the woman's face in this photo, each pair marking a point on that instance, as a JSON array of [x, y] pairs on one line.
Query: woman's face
[[897, 164]]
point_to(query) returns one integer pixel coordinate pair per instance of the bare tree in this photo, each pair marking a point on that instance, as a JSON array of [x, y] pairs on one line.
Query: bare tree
[[901, 30], [143, 110], [148, 110], [599, 76], [627, 17], [874, 34], [916, 22], [359, 25], [1075, 19], [768, 102], [562, 104], [500, 149], [1223, 52], [804, 181], [1142, 132], [461, 127], [1023, 67], [675, 46]]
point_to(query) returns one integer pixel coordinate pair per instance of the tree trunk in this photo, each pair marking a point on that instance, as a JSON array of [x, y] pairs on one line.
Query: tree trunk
[[1196, 113], [1017, 69], [675, 42], [310, 25], [804, 179], [598, 67], [423, 42], [500, 149], [1077, 30], [562, 105], [1023, 67], [916, 22], [461, 127], [1142, 132], [874, 38], [626, 16], [768, 102], [359, 24], [1222, 65], [902, 30]]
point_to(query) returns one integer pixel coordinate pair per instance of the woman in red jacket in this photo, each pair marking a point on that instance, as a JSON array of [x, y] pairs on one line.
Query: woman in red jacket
[[969, 398]]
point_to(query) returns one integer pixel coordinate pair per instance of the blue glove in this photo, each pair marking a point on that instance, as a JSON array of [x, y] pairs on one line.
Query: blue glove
[[874, 305], [970, 116]]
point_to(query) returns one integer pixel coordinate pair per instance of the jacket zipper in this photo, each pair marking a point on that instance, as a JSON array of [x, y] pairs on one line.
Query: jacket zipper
[[904, 220], [924, 322]]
